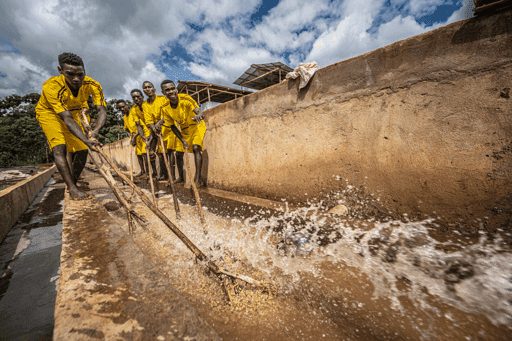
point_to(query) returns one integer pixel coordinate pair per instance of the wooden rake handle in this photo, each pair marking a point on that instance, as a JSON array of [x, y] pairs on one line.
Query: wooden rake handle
[[175, 197]]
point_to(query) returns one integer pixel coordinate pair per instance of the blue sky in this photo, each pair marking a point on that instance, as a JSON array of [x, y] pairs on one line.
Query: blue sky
[[123, 44]]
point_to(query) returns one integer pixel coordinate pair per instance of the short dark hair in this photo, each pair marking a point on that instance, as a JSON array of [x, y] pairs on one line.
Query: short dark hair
[[167, 81], [121, 101], [147, 82], [71, 59], [136, 90]]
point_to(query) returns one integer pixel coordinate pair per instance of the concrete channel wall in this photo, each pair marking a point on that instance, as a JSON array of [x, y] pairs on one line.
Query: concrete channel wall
[[119, 151], [422, 126], [14, 200]]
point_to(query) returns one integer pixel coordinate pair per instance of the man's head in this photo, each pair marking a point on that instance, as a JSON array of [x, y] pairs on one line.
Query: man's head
[[169, 90], [148, 88], [121, 105], [137, 96], [72, 67]]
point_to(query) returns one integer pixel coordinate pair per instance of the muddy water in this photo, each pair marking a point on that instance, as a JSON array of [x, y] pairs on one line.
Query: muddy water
[[350, 280]]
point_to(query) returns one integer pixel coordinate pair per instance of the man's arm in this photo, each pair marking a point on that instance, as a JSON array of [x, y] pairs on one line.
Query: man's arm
[[102, 118], [76, 130], [199, 115], [140, 131], [178, 135], [152, 127], [158, 125], [133, 140]]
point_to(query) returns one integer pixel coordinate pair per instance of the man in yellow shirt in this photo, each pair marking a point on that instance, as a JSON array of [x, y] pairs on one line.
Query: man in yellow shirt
[[142, 129], [58, 112], [131, 128], [151, 108], [183, 110], [72, 157]]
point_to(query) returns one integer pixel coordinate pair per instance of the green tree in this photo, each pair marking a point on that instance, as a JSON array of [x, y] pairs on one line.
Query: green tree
[[113, 129], [23, 142]]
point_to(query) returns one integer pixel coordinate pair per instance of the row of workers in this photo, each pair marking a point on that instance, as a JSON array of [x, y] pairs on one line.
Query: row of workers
[[156, 118], [64, 96]]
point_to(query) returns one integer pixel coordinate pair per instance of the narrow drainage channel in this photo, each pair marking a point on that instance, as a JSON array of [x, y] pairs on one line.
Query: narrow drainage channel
[[351, 279], [29, 267]]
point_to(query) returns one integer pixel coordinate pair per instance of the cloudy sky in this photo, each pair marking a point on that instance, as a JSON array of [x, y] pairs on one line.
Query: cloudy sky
[[126, 42]]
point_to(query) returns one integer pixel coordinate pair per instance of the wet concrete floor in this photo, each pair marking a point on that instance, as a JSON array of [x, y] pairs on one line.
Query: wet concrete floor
[[337, 294], [29, 267], [325, 296]]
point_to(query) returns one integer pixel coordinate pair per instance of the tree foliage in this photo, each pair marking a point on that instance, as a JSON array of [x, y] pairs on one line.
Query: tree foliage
[[23, 142], [113, 128]]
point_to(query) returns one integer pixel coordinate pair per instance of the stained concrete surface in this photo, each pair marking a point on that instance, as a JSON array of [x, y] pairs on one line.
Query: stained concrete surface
[[375, 321], [423, 125], [109, 289], [29, 268], [15, 199], [421, 128]]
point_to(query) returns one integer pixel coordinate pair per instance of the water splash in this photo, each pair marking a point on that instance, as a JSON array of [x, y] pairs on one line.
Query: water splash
[[398, 261]]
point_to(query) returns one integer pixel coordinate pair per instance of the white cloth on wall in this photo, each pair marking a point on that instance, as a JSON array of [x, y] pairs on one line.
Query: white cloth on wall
[[305, 71]]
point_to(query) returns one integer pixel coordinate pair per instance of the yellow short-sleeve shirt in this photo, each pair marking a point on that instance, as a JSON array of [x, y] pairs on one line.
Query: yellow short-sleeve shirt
[[129, 123], [182, 114], [152, 111], [138, 116], [57, 97]]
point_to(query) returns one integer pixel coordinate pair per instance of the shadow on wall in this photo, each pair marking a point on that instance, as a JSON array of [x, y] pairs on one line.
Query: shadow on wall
[[477, 29]]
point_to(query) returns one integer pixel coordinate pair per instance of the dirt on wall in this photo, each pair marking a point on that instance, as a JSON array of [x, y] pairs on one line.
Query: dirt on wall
[[421, 128]]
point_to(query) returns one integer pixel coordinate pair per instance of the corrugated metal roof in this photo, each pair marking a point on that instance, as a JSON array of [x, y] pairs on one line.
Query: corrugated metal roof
[[261, 76]]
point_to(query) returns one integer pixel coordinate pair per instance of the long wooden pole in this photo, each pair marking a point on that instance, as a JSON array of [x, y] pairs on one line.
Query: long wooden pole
[[198, 253], [121, 197], [131, 162], [175, 197], [150, 174], [196, 194]]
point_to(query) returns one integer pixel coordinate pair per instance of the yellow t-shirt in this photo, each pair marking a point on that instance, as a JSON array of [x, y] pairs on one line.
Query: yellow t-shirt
[[138, 116], [182, 114], [57, 97], [152, 111], [129, 123]]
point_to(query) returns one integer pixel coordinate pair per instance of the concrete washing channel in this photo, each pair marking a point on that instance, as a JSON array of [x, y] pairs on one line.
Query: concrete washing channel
[[31, 226], [375, 201]]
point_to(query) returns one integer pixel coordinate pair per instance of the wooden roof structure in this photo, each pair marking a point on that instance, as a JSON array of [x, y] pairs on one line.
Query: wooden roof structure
[[261, 76], [203, 92]]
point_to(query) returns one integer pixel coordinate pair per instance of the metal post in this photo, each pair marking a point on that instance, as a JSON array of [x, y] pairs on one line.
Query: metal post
[[208, 89], [279, 75]]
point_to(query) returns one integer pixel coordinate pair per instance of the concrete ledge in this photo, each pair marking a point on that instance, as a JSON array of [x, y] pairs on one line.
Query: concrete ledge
[[109, 290], [14, 200]]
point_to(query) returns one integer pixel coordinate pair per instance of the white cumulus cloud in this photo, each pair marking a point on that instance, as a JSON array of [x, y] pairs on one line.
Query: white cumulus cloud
[[125, 43]]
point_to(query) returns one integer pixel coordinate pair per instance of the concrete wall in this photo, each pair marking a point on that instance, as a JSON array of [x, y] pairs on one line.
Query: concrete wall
[[424, 125], [120, 152], [15, 199]]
